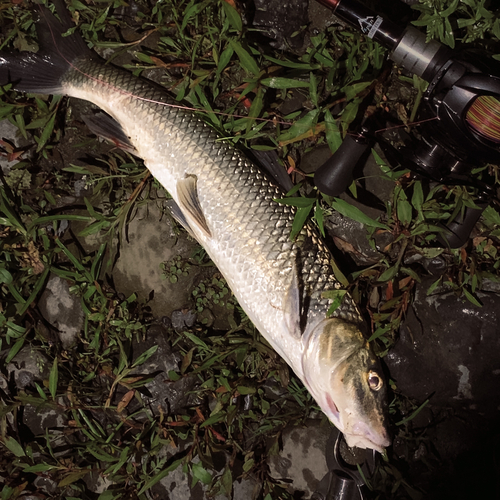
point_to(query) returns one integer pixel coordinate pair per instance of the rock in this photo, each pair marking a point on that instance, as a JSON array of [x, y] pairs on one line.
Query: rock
[[62, 309], [151, 241], [461, 339], [448, 352], [163, 394], [302, 460], [280, 22], [183, 319], [10, 131], [28, 366], [97, 483]]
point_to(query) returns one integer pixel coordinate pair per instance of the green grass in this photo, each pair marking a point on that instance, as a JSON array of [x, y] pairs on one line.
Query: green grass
[[199, 50]]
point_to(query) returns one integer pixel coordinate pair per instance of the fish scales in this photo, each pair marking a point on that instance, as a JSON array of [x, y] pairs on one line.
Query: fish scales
[[250, 241], [228, 204]]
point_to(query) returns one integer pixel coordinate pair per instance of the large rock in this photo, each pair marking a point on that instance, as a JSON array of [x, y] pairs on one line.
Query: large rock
[[449, 348]]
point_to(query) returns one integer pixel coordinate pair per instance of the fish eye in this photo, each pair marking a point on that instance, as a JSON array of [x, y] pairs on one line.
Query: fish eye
[[374, 381]]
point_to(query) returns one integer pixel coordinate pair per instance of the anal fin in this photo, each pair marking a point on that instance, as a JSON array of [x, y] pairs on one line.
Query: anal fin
[[190, 203], [292, 306]]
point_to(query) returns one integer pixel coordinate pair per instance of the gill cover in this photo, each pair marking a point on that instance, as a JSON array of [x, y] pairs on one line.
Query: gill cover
[[345, 378]]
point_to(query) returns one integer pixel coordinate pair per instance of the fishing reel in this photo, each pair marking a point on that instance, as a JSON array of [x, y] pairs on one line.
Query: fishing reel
[[459, 116]]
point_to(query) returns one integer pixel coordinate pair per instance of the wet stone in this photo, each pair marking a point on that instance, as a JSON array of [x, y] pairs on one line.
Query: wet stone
[[448, 352], [27, 366], [184, 318], [62, 309], [449, 332], [8, 130], [97, 483], [279, 22], [45, 485], [162, 394], [302, 460], [152, 240]]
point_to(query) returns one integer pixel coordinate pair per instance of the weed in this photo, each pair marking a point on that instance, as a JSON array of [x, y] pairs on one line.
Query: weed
[[245, 393]]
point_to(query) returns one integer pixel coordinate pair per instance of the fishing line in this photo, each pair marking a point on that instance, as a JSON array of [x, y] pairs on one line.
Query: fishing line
[[132, 95], [180, 106]]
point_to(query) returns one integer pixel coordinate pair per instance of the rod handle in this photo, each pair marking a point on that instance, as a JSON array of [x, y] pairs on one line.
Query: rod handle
[[336, 174], [457, 232]]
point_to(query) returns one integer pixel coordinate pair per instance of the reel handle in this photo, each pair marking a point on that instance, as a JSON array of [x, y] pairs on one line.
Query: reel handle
[[336, 174]]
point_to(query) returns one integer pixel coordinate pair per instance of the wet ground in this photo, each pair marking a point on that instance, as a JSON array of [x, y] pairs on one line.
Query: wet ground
[[447, 352]]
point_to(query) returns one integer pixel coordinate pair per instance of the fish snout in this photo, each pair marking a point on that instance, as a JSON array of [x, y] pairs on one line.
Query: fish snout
[[363, 435]]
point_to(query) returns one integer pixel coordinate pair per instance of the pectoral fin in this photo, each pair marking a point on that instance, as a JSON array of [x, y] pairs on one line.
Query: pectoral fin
[[190, 204], [293, 306]]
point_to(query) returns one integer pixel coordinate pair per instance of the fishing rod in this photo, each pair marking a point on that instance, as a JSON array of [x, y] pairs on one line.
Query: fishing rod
[[459, 116]]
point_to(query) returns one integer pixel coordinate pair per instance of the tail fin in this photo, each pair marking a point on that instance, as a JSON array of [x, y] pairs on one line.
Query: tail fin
[[42, 73]]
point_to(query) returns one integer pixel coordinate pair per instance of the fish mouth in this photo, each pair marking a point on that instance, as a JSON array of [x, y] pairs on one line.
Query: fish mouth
[[364, 437]]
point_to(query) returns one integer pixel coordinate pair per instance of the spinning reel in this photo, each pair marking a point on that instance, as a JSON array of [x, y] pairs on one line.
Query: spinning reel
[[459, 117]]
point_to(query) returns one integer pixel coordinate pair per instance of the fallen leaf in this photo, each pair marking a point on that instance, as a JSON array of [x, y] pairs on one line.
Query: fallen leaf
[[125, 401]]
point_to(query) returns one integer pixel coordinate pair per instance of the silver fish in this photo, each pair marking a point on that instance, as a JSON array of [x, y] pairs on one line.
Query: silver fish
[[228, 204]]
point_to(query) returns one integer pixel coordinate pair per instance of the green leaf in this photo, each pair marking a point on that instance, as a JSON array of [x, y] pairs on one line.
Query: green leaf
[[159, 476], [388, 274], [36, 290], [5, 276], [433, 286], [53, 379], [14, 447], [299, 201], [72, 477], [319, 217], [233, 16], [354, 213], [213, 419], [224, 58], [245, 390], [353, 90], [247, 61], [333, 135], [349, 114], [404, 212], [39, 468], [301, 126], [283, 83], [52, 218], [417, 198], [200, 473], [227, 481], [299, 220], [46, 133], [292, 64], [14, 350], [337, 296], [145, 356], [414, 414], [471, 298]]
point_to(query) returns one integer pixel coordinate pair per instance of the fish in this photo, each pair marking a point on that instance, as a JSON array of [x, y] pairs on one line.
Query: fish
[[229, 205]]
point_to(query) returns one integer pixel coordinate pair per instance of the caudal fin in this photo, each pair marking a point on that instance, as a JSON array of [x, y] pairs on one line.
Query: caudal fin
[[43, 72]]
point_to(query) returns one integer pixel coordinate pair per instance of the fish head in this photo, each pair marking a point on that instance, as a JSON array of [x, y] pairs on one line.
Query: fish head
[[345, 378]]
